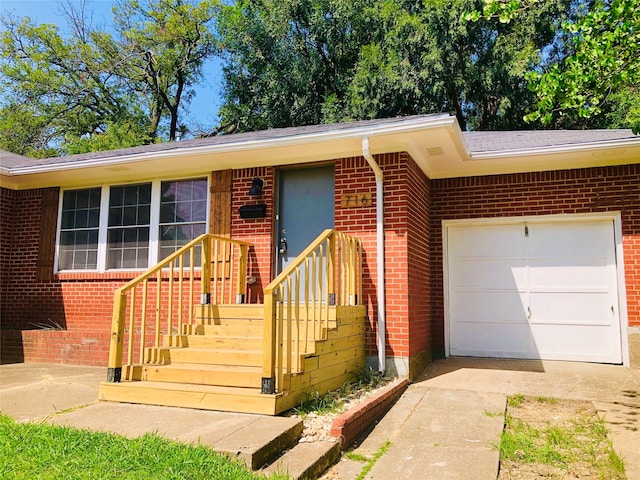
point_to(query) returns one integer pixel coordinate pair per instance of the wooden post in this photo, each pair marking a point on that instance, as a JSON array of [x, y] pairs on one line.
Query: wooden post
[[241, 287], [269, 345], [205, 273], [114, 370], [158, 307], [331, 251]]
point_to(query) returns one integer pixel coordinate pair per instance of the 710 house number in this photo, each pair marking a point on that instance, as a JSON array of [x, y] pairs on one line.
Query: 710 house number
[[356, 200]]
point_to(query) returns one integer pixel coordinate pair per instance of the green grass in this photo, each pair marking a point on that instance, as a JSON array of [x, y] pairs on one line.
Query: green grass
[[37, 451], [516, 400], [583, 439], [548, 400], [370, 462]]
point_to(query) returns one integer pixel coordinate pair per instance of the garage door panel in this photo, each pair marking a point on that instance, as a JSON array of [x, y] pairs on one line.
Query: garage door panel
[[493, 340], [577, 273], [535, 289], [491, 274], [569, 239], [571, 342], [571, 308], [482, 241], [491, 307]]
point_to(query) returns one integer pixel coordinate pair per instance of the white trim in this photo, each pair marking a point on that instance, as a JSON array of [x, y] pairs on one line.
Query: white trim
[[622, 290], [615, 217], [554, 149], [103, 232], [287, 141], [154, 223]]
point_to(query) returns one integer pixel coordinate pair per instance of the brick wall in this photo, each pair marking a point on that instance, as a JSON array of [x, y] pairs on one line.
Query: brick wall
[[64, 299], [406, 192], [415, 314], [543, 193], [258, 231]]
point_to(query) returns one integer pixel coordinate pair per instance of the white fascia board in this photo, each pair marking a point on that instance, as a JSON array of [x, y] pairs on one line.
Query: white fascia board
[[338, 134], [554, 149]]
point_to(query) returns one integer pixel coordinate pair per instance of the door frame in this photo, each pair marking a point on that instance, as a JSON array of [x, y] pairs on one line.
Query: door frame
[[275, 234], [615, 217]]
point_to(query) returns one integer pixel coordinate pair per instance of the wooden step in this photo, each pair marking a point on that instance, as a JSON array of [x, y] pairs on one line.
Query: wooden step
[[206, 397], [224, 342], [212, 356], [243, 311], [223, 375], [237, 328]]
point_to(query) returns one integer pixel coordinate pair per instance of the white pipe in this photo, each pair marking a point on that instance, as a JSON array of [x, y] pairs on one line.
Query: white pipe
[[382, 324]]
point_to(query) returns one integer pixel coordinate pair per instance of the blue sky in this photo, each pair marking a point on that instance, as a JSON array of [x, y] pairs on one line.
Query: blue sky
[[203, 108]]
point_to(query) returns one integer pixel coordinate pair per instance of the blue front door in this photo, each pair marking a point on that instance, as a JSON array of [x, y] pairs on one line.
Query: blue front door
[[305, 209]]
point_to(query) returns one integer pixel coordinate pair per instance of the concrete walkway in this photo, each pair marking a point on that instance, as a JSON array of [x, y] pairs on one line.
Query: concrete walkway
[[446, 425]]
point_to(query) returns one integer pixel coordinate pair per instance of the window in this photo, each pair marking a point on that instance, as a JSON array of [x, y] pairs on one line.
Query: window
[[129, 226], [79, 223], [183, 214]]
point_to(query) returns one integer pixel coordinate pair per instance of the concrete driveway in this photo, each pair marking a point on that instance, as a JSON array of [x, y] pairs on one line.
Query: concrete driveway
[[443, 427]]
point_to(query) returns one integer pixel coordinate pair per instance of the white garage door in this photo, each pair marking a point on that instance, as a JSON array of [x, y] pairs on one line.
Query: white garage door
[[534, 290]]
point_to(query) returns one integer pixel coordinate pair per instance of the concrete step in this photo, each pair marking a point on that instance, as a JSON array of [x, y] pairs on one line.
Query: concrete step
[[306, 460], [223, 375]]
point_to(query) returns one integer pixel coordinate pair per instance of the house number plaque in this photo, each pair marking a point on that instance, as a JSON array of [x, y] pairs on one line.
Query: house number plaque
[[356, 200]]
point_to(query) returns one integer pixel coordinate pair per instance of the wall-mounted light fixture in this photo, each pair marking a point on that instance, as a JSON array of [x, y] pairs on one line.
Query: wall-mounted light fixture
[[256, 187]]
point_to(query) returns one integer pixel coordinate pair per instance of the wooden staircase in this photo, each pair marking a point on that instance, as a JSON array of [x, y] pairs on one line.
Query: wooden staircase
[[178, 339], [215, 363]]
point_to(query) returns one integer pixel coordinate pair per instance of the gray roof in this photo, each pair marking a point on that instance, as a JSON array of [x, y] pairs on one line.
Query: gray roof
[[270, 134], [531, 139], [476, 141], [11, 160]]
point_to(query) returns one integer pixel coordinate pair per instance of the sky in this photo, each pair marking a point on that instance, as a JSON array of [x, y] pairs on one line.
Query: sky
[[203, 108]]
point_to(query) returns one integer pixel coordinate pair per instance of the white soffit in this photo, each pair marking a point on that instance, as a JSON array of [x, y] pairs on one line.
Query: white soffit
[[435, 142]]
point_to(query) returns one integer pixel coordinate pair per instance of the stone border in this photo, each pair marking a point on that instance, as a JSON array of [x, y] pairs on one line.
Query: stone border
[[352, 423]]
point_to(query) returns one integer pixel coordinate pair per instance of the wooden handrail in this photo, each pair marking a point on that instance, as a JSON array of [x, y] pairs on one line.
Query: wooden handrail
[[161, 306], [297, 302]]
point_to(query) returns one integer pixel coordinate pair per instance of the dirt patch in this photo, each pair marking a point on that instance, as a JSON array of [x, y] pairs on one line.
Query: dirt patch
[[547, 438]]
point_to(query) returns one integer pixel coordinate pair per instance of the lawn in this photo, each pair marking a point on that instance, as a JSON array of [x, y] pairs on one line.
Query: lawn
[[556, 439], [37, 451]]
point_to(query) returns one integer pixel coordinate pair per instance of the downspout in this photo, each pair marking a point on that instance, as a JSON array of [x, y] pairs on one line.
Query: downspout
[[382, 325]]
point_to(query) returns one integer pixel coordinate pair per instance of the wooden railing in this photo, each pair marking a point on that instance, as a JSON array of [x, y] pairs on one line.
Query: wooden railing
[[298, 302], [209, 269]]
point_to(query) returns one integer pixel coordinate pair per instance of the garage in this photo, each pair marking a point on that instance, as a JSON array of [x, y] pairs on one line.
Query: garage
[[536, 288]]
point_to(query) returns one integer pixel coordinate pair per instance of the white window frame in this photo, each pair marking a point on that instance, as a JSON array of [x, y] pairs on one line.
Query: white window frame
[[104, 220]]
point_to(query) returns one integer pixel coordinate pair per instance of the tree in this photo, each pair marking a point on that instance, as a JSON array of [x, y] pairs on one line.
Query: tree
[[95, 89], [287, 61], [165, 43], [429, 59], [54, 88], [311, 61], [599, 81]]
